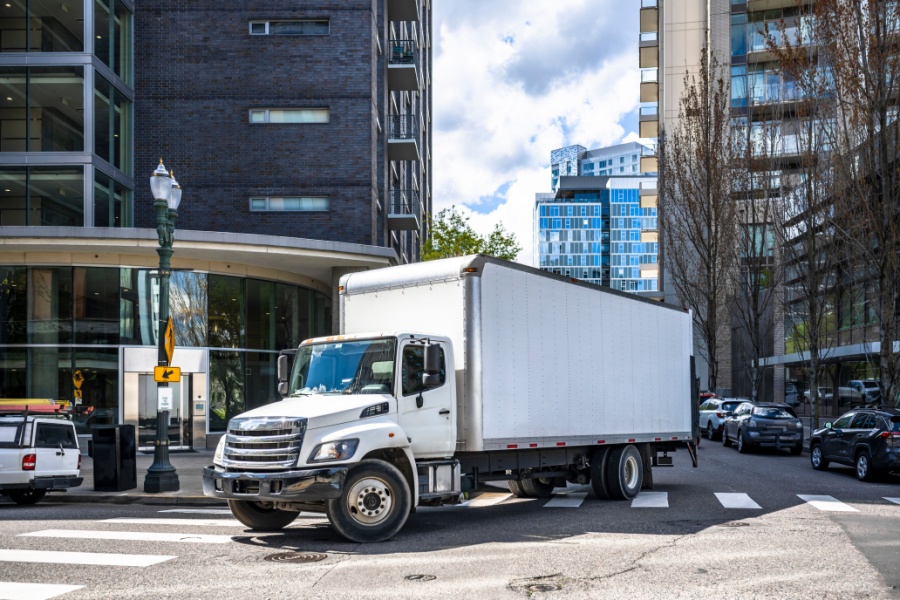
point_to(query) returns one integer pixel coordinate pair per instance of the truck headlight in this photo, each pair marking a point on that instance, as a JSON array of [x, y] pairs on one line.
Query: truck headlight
[[329, 451], [220, 452]]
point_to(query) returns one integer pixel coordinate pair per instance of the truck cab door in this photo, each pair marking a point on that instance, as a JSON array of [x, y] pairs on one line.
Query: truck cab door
[[426, 414], [56, 448]]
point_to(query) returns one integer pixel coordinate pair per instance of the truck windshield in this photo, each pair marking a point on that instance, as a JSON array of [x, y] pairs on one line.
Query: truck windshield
[[358, 367]]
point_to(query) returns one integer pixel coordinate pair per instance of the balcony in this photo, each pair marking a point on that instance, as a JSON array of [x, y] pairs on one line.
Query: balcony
[[403, 72], [649, 236], [649, 85], [757, 5], [648, 121], [649, 16], [650, 271], [405, 210], [649, 50], [649, 160], [403, 10], [403, 137]]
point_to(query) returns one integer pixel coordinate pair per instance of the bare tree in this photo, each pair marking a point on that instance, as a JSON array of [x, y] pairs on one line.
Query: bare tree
[[858, 39], [696, 212]]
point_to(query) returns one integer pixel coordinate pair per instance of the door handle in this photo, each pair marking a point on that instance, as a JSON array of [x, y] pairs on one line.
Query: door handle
[[61, 451], [444, 411]]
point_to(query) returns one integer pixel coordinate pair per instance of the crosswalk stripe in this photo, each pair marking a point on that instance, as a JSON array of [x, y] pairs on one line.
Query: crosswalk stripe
[[573, 500], [827, 503], [486, 499], [651, 500], [199, 511], [729, 500], [139, 536], [82, 558], [894, 500], [178, 522], [34, 591]]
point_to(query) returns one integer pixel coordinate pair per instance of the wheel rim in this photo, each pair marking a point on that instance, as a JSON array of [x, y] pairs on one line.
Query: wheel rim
[[862, 465], [740, 440], [709, 430], [630, 472], [816, 456], [369, 501]]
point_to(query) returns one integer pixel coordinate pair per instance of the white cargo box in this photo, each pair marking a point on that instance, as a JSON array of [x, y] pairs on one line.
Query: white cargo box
[[540, 360]]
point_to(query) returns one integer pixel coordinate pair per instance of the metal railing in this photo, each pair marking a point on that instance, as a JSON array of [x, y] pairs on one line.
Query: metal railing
[[647, 111], [648, 4], [405, 202], [403, 52], [649, 36], [649, 75], [404, 127]]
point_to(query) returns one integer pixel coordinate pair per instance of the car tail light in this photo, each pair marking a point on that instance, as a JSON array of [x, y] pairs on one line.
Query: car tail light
[[79, 462], [720, 415], [28, 462], [889, 434]]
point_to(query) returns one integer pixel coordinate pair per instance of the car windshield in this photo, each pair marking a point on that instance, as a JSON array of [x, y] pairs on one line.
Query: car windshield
[[729, 406], [357, 367], [772, 412]]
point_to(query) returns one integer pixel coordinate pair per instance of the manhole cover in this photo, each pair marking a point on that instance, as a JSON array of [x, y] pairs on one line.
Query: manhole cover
[[421, 577], [543, 587], [735, 524], [296, 557]]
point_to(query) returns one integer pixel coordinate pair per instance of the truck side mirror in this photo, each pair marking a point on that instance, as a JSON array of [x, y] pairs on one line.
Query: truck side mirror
[[432, 376], [283, 375]]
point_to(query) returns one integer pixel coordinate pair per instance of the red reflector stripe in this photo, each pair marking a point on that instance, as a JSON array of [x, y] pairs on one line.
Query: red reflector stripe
[[560, 443], [657, 439], [601, 441], [533, 445], [512, 445], [631, 440], [675, 438]]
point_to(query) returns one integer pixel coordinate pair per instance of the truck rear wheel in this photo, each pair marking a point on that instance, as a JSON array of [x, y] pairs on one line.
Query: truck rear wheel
[[516, 488], [624, 472], [537, 488], [373, 505], [598, 473], [27, 496], [256, 515]]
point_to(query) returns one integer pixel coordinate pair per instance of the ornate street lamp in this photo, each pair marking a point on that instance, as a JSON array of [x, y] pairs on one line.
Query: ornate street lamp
[[161, 476]]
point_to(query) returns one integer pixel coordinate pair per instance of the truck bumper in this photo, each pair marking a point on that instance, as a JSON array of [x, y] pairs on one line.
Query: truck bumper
[[284, 486], [44, 483]]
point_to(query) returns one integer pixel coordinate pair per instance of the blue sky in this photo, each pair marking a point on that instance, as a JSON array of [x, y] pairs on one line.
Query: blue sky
[[513, 80]]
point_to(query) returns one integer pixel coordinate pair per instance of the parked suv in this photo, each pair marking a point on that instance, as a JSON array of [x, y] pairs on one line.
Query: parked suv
[[868, 388], [867, 439], [713, 413], [37, 453], [764, 424]]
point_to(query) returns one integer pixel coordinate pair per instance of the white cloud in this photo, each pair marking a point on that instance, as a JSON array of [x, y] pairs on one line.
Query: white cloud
[[515, 79]]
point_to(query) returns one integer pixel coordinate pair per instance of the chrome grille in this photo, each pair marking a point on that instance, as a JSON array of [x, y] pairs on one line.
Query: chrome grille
[[263, 442]]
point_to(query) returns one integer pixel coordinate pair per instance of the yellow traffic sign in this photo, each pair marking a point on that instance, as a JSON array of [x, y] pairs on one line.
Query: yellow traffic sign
[[164, 374], [77, 379], [170, 341], [78, 394]]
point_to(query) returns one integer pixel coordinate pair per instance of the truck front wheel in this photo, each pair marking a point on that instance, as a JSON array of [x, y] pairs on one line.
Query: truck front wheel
[[624, 472], [256, 515], [373, 505]]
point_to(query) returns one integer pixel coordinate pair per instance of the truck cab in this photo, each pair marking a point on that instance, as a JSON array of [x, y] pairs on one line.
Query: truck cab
[[38, 453]]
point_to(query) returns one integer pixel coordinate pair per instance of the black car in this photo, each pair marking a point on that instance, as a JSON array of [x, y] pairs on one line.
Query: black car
[[867, 439], [763, 424]]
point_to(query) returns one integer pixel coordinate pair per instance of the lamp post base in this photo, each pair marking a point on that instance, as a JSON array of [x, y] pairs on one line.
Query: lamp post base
[[161, 481], [161, 476]]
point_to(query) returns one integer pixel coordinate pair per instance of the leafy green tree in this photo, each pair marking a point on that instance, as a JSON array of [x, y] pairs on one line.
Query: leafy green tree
[[452, 235]]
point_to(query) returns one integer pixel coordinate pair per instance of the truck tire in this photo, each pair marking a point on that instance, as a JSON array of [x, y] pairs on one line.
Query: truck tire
[[257, 516], [516, 488], [27, 496], [373, 505], [624, 472], [537, 487], [598, 473]]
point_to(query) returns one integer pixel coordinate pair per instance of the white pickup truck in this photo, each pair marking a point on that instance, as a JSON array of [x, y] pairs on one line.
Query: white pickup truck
[[453, 373], [38, 453]]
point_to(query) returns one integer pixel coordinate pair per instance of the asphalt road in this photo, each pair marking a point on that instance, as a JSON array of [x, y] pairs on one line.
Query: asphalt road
[[687, 543]]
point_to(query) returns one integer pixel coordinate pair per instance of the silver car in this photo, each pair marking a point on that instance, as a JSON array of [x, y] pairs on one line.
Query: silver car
[[713, 413]]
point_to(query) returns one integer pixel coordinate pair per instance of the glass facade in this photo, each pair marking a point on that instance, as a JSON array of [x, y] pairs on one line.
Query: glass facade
[[596, 236], [56, 320]]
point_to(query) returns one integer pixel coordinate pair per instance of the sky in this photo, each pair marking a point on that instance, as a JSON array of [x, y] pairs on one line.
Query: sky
[[513, 80]]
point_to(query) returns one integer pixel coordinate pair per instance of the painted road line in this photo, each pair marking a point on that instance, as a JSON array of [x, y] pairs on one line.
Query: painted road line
[[34, 591], [137, 536], [894, 500], [486, 499], [651, 500], [736, 501], [827, 503], [573, 500], [82, 558], [177, 522], [199, 511]]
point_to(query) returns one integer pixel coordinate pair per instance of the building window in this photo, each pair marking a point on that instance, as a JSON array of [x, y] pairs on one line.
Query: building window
[[304, 27], [42, 109], [113, 36], [289, 115], [290, 204], [42, 27]]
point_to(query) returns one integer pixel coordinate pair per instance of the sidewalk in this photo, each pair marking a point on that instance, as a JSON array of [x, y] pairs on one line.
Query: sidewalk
[[188, 465]]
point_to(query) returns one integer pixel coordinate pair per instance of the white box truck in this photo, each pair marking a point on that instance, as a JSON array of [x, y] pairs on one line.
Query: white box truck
[[452, 373]]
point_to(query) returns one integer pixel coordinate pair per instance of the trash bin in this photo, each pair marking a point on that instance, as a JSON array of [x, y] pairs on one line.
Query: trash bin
[[114, 454]]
